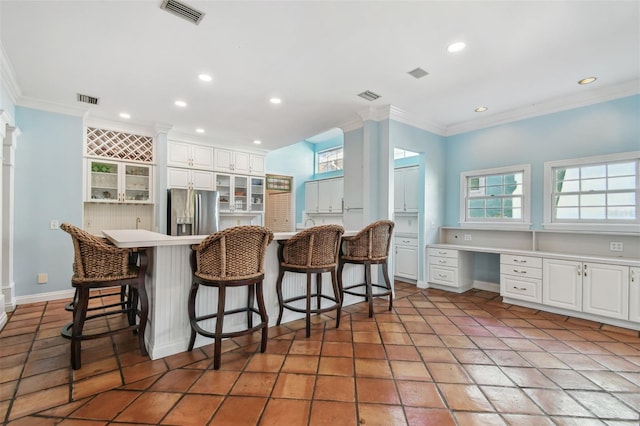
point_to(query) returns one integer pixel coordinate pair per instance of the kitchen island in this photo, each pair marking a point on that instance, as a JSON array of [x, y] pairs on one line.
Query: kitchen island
[[169, 281]]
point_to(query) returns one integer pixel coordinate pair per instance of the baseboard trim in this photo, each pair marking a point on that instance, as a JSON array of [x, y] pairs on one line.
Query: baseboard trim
[[45, 297], [487, 286]]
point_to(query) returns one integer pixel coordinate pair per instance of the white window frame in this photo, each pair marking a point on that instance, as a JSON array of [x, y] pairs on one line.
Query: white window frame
[[585, 225], [337, 148], [524, 223]]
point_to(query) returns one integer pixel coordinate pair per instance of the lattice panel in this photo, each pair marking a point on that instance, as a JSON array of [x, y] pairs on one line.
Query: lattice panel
[[119, 145]]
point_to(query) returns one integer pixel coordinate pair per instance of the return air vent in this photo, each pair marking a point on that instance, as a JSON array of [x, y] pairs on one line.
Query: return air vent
[[88, 99], [182, 10], [418, 73], [369, 95]]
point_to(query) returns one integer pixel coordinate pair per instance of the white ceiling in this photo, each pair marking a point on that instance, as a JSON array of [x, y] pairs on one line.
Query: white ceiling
[[522, 58]]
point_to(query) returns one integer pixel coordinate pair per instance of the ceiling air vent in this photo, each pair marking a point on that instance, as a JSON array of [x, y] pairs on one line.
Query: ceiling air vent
[[369, 95], [418, 73], [182, 10], [88, 99]]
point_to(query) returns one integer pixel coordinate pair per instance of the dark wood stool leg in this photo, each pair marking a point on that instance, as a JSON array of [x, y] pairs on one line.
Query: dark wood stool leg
[[308, 312], [367, 282], [217, 346], [250, 300], [385, 274], [192, 313], [319, 291], [280, 299], [263, 317], [340, 268], [338, 296], [79, 316], [144, 316]]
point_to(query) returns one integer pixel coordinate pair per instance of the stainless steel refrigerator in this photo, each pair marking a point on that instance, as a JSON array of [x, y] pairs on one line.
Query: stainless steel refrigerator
[[192, 212]]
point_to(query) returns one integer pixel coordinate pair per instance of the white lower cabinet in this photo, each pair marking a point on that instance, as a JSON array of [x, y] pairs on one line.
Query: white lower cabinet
[[521, 277], [634, 294], [593, 288], [450, 268], [405, 264]]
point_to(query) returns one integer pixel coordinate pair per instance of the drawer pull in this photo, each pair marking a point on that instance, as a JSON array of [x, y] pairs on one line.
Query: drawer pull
[[442, 275], [442, 252], [442, 261], [519, 288], [519, 272], [519, 261]]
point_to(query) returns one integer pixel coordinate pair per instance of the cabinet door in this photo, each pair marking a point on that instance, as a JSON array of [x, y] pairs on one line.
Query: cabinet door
[[223, 160], [201, 179], [330, 195], [398, 190], [256, 166], [202, 157], [311, 197], [406, 262], [178, 154], [224, 187], [606, 290], [634, 294], [241, 162], [256, 201], [411, 189], [136, 184], [240, 194], [178, 178], [103, 181], [562, 284]]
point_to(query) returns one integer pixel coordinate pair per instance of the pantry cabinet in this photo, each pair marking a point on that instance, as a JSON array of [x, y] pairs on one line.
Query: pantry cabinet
[[190, 179], [405, 190], [238, 162], [240, 194], [119, 182], [405, 264], [191, 156]]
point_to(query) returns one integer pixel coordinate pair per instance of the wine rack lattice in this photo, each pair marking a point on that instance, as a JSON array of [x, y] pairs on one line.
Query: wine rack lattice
[[119, 145]]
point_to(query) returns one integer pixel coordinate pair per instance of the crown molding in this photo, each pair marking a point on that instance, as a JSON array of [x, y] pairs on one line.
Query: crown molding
[[121, 126], [578, 100], [8, 76], [402, 116], [48, 106]]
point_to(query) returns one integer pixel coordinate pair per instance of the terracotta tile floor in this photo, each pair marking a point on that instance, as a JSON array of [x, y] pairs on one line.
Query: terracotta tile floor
[[437, 359]]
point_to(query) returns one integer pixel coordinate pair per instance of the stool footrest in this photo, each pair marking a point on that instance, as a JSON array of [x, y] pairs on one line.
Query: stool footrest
[[349, 290]]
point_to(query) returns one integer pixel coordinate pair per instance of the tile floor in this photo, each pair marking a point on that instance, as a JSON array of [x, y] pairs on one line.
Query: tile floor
[[437, 359]]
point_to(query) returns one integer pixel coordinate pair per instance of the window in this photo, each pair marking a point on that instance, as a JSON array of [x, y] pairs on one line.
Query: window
[[596, 192], [329, 160], [399, 153], [496, 197]]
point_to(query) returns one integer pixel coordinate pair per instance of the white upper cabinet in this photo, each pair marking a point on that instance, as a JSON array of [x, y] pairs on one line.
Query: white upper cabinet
[[190, 179], [406, 190], [238, 162], [330, 192], [119, 182], [311, 196], [180, 154]]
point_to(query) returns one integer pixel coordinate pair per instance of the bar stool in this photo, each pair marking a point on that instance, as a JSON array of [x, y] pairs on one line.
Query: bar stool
[[99, 265], [312, 251], [233, 257], [369, 247]]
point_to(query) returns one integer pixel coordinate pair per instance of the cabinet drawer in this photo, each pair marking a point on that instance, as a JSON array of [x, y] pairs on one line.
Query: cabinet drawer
[[443, 261], [520, 271], [406, 241], [443, 275], [442, 252], [521, 288], [531, 262]]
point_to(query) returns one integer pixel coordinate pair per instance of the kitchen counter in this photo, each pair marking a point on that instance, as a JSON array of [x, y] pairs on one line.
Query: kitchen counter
[[168, 283]]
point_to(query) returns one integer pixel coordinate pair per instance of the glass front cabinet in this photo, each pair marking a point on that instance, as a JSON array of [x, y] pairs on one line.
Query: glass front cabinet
[[240, 194], [119, 182]]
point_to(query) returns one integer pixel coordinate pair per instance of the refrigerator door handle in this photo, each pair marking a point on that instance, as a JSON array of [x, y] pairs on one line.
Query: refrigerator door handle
[[196, 216]]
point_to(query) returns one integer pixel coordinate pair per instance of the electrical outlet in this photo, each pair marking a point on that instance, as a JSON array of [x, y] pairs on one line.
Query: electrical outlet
[[54, 224], [43, 278], [616, 246], [467, 237]]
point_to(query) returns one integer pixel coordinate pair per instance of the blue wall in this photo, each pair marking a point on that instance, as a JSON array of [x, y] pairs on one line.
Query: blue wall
[[48, 185], [605, 128], [296, 160]]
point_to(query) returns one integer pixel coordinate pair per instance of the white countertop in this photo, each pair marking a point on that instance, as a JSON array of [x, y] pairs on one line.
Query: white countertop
[[132, 238]]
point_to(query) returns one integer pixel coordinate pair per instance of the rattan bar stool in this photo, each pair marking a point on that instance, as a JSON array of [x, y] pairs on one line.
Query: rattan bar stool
[[312, 251], [369, 247], [99, 265], [233, 257]]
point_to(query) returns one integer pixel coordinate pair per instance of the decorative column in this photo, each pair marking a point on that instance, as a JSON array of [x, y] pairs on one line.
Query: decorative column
[[8, 191], [160, 178]]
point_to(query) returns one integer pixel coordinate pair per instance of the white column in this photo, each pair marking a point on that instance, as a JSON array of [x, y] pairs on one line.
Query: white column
[[8, 182], [160, 178], [3, 120]]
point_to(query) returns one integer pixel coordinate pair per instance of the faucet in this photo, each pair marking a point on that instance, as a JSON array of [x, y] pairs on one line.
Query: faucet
[[313, 222], [137, 222]]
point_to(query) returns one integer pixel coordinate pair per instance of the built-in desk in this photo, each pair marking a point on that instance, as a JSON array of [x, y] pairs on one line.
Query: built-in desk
[[563, 272], [169, 281]]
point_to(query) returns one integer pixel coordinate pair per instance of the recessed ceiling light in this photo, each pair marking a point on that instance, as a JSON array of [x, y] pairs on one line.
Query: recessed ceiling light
[[456, 47], [257, 142], [587, 80], [181, 104], [275, 100], [125, 115], [199, 130], [481, 109], [205, 77]]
